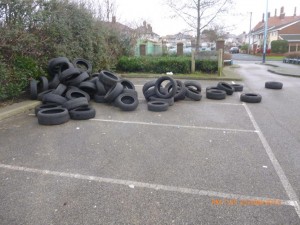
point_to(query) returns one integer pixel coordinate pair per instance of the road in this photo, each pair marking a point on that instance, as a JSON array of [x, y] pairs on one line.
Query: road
[[246, 58], [206, 162]]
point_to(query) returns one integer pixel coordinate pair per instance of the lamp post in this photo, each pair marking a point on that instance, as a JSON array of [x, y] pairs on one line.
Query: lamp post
[[250, 33], [265, 34]]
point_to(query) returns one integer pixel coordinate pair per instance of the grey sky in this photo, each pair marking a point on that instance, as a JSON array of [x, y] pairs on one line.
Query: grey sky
[[158, 15]]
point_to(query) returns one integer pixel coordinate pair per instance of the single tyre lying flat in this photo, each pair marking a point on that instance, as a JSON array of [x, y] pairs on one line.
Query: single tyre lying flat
[[127, 101], [237, 87], [158, 106], [45, 106], [83, 113], [251, 97], [215, 94], [170, 101], [273, 85], [53, 116]]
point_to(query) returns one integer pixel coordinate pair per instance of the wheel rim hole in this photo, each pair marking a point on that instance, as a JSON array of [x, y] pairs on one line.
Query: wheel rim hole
[[127, 99], [53, 111]]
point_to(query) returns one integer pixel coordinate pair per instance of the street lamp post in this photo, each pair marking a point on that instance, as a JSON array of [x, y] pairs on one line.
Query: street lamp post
[[265, 33], [250, 33]]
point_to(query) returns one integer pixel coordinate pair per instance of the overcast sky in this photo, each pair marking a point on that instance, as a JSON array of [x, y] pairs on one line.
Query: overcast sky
[[158, 14]]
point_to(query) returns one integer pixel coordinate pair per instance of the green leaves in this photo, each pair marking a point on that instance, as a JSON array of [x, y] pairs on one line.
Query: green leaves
[[164, 64]]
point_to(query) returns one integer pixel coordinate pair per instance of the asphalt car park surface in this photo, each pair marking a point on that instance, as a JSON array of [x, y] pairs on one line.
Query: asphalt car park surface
[[207, 162]]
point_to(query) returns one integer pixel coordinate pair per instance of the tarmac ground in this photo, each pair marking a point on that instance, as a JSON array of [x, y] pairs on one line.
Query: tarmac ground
[[207, 162]]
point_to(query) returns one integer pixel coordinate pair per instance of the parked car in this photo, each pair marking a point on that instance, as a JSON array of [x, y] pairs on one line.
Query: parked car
[[234, 50]]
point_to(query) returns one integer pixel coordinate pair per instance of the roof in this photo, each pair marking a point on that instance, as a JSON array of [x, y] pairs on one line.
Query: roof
[[118, 26], [290, 37], [275, 21]]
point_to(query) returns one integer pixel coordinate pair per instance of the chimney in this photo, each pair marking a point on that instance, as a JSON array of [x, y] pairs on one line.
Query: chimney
[[149, 28], [263, 18], [282, 14], [269, 14], [114, 20], [275, 12], [295, 11]]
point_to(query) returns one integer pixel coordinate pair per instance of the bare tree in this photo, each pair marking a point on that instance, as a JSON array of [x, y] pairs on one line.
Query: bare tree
[[198, 14]]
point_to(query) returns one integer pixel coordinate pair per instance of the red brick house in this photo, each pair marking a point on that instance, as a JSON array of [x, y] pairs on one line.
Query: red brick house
[[280, 27]]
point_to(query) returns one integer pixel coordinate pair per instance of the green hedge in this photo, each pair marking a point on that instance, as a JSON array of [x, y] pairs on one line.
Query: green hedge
[[164, 64], [280, 46], [14, 80]]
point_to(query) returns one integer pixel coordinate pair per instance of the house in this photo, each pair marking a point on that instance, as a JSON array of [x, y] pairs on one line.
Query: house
[[148, 42], [280, 27]]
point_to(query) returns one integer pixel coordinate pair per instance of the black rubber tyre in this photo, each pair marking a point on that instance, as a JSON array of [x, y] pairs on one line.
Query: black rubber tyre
[[99, 98], [45, 106], [127, 84], [193, 84], [158, 106], [33, 89], [54, 82], [150, 93], [148, 85], [74, 92], [53, 116], [215, 94], [41, 95], [75, 103], [193, 94], [158, 85], [113, 92], [52, 98], [75, 81], [83, 64], [273, 85], [60, 90], [43, 84], [250, 97], [125, 90], [181, 90], [68, 74], [100, 88], [226, 87], [127, 101], [54, 65], [84, 113], [212, 87], [237, 87], [170, 101], [108, 78], [94, 75], [88, 87]]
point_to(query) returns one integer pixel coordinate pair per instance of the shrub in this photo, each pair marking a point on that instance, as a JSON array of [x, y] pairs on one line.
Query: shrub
[[292, 55], [279, 46], [164, 64], [207, 66], [14, 80], [32, 34]]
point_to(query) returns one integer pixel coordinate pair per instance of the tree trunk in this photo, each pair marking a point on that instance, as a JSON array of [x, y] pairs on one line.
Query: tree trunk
[[198, 27]]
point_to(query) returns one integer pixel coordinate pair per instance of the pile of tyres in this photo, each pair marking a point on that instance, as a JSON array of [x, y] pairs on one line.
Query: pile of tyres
[[163, 92], [71, 87]]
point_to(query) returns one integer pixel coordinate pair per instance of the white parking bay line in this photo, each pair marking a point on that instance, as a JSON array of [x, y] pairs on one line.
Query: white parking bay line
[[174, 125], [283, 178], [157, 187]]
